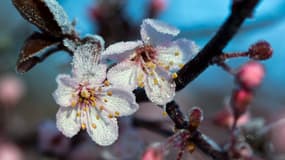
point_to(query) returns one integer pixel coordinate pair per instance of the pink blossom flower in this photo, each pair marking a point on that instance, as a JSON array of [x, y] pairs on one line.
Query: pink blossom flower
[[51, 140], [150, 63], [88, 101], [11, 90], [153, 152]]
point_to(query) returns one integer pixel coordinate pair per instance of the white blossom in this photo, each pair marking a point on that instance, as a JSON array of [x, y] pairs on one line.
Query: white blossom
[[150, 63], [87, 99]]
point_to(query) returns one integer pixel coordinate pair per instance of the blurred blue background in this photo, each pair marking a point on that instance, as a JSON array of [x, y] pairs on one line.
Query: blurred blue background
[[197, 19]]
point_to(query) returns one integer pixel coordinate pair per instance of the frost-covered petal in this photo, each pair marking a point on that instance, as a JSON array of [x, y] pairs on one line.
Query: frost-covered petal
[[97, 74], [124, 74], [66, 121], [103, 131], [159, 88], [120, 50], [64, 91], [176, 53], [121, 101], [86, 57], [156, 32]]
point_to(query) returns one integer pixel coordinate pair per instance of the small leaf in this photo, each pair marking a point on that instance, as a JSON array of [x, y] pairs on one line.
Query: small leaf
[[36, 44], [27, 65], [48, 15]]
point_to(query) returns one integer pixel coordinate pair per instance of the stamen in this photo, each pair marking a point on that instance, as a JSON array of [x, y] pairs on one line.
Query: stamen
[[94, 125], [155, 81], [97, 117], [84, 93], [105, 100], [181, 65], [85, 109], [111, 116], [73, 103], [171, 63], [164, 113], [78, 114], [174, 75], [101, 108], [141, 84], [83, 126], [117, 114], [100, 89], [106, 83], [176, 53], [167, 67], [109, 93]]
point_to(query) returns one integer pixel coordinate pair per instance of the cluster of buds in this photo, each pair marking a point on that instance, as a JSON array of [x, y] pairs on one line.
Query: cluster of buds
[[248, 78]]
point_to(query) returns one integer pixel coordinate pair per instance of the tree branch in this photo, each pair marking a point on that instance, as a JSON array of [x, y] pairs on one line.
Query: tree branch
[[240, 11]]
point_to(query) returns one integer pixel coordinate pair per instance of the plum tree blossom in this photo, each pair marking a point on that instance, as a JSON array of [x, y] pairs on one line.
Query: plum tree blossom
[[87, 99], [150, 63]]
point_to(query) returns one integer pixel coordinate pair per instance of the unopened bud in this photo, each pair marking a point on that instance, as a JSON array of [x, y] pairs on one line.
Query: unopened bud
[[240, 100], [250, 75], [260, 51], [195, 118]]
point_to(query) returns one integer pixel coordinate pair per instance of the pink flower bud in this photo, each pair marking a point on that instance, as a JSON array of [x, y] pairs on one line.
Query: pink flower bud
[[11, 90], [10, 152], [250, 75], [240, 100], [225, 118], [260, 51], [195, 118], [153, 153], [158, 5]]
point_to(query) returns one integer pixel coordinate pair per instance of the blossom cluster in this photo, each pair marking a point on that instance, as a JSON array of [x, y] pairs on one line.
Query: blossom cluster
[[98, 92]]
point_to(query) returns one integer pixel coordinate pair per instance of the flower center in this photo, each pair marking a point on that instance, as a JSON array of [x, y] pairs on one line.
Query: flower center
[[146, 53]]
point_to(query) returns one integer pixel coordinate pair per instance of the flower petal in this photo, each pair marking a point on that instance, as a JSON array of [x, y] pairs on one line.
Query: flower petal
[[159, 88], [156, 32], [121, 101], [120, 50], [103, 131], [124, 75], [176, 53], [97, 74], [64, 91], [66, 121]]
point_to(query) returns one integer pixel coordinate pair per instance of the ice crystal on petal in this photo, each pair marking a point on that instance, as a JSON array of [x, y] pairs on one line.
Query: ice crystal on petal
[[88, 101], [152, 62]]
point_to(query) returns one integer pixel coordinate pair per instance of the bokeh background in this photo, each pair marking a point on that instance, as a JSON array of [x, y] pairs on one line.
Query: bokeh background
[[197, 19]]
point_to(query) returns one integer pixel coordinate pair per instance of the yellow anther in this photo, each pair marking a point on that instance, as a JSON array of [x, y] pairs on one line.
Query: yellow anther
[[174, 75], [181, 65], [111, 116], [151, 73], [80, 100], [85, 109], [97, 117], [167, 67], [83, 126], [101, 108], [94, 125], [100, 89], [151, 65], [78, 114], [93, 103], [141, 84], [162, 78], [109, 93], [117, 114], [106, 83], [92, 98], [73, 103], [171, 63], [155, 81], [84, 93], [176, 53], [191, 147], [164, 113], [105, 100], [86, 101]]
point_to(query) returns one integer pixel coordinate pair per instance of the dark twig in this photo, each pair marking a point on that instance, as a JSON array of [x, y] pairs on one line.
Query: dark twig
[[214, 47]]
